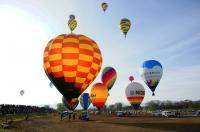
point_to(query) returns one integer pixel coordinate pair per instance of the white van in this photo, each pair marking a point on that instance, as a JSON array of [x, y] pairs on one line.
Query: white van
[[168, 114]]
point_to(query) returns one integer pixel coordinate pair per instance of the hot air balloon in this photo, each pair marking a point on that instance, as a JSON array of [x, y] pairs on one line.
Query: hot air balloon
[[109, 76], [85, 101], [104, 6], [71, 16], [72, 23], [151, 72], [99, 95], [131, 78], [135, 94], [72, 62], [22, 92], [125, 25], [71, 105]]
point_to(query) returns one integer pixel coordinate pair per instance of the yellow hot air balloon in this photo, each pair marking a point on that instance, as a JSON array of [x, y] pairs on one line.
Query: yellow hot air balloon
[[72, 23], [99, 95], [125, 25], [72, 62]]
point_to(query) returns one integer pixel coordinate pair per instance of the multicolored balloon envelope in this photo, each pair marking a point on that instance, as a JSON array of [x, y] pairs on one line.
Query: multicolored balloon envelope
[[99, 95], [109, 76], [135, 94], [104, 6], [85, 100], [151, 72], [71, 105], [72, 62], [125, 25]]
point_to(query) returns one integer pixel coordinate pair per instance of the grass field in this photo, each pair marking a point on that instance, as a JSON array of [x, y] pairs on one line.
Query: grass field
[[101, 123]]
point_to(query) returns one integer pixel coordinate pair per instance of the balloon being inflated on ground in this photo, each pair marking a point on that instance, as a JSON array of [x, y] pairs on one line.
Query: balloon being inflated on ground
[[99, 95], [85, 101], [72, 62], [135, 94], [151, 72]]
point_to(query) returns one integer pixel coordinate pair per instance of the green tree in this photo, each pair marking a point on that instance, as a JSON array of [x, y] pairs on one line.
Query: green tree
[[61, 107]]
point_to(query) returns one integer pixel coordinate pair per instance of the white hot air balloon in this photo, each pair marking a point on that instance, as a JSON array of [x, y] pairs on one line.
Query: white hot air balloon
[[135, 94]]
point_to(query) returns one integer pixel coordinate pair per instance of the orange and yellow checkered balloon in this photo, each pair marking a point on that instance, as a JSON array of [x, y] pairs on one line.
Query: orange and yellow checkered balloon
[[72, 62]]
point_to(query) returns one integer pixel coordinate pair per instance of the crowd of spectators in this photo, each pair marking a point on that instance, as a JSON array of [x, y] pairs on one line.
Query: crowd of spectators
[[23, 109]]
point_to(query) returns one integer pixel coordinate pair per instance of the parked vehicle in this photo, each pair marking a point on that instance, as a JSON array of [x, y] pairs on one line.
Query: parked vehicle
[[168, 114], [84, 116], [157, 113], [119, 113], [197, 113]]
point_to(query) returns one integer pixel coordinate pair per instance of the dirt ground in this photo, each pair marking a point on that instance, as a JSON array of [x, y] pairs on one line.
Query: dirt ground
[[100, 123]]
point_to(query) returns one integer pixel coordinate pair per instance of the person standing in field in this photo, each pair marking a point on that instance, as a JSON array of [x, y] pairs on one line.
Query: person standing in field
[[69, 117], [74, 116]]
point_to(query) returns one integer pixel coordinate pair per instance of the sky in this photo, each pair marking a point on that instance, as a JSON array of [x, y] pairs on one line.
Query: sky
[[167, 31]]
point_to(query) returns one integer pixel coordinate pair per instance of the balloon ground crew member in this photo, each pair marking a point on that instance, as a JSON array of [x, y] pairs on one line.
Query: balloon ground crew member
[[74, 116]]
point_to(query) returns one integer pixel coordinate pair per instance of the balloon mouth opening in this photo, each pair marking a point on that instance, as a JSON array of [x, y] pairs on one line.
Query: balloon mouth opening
[[153, 94]]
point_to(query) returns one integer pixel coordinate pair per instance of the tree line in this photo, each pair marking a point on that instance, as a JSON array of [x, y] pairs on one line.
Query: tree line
[[185, 105]]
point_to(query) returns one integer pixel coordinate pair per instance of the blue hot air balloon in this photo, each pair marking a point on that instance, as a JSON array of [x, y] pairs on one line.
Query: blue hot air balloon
[[85, 101], [151, 72]]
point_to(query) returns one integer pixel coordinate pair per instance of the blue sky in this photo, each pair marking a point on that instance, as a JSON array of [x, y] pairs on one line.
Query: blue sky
[[168, 31]]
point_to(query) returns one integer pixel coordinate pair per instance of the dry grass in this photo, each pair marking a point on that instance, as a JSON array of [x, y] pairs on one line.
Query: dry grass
[[100, 123]]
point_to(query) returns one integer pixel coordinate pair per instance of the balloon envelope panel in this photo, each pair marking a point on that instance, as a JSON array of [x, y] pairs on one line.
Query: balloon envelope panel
[[72, 24], [71, 105]]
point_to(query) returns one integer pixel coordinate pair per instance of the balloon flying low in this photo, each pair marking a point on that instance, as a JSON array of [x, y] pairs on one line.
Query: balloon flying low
[[99, 95], [125, 25], [135, 94], [85, 101], [72, 62], [109, 76], [151, 72]]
